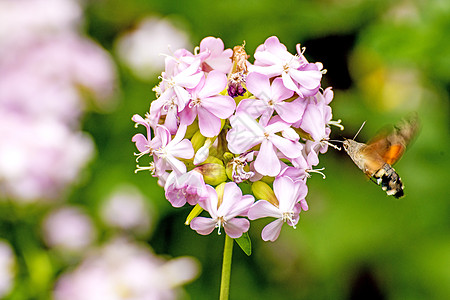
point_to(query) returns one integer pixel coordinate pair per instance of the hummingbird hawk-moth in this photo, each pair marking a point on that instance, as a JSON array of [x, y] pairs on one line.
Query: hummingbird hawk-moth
[[376, 157]]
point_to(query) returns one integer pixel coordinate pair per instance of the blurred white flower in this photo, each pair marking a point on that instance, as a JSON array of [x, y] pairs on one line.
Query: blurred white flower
[[127, 209], [7, 268], [122, 270], [68, 229], [141, 48]]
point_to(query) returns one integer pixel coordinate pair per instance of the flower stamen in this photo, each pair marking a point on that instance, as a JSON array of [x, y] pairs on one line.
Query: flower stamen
[[315, 171], [337, 124]]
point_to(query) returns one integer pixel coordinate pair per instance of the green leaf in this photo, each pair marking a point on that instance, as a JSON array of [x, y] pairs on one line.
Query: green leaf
[[245, 243]]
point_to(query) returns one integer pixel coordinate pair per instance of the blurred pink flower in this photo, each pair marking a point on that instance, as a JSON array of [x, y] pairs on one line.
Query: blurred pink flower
[[123, 270], [68, 229], [47, 69], [30, 19], [40, 157], [7, 268], [127, 209], [44, 78], [141, 48]]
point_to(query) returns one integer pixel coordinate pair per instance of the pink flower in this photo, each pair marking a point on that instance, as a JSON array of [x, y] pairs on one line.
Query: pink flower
[[237, 164], [214, 55], [273, 59], [269, 98], [144, 144], [288, 193], [189, 187], [174, 94], [233, 205], [68, 229], [315, 120], [209, 105], [166, 157], [247, 133]]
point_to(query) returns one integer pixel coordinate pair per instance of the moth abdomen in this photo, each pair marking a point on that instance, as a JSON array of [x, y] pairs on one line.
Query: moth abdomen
[[389, 180]]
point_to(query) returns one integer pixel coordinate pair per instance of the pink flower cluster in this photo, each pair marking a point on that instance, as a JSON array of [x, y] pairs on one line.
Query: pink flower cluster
[[219, 120]]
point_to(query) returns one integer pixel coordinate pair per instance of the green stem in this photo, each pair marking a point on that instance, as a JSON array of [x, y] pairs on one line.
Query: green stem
[[226, 268]]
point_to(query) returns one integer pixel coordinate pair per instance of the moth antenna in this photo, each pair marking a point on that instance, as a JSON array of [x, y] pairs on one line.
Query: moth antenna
[[360, 128]]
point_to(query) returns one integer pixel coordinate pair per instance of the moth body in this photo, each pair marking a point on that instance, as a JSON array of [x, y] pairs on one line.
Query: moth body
[[376, 157]]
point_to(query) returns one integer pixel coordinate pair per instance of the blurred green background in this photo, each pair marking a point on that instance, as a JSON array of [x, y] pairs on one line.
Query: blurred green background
[[385, 59]]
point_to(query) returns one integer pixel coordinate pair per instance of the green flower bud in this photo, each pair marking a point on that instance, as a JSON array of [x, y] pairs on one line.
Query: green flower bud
[[213, 173], [213, 160], [267, 179], [197, 140], [227, 156], [262, 190], [191, 130], [229, 171], [219, 190]]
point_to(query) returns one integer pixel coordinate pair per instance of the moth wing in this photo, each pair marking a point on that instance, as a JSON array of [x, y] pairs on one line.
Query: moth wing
[[373, 160], [391, 144]]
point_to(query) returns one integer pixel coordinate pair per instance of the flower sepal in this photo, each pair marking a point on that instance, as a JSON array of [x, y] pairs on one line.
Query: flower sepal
[[194, 213]]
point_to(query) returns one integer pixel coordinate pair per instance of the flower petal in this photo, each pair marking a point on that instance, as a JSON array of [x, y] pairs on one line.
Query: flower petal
[[175, 164], [286, 192], [211, 201], [253, 107], [234, 228], [310, 79], [262, 209], [221, 106], [272, 230], [202, 225], [279, 91], [183, 149], [291, 149], [267, 162], [291, 112], [259, 85], [232, 194], [313, 122], [208, 123], [289, 83], [215, 83], [141, 142]]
